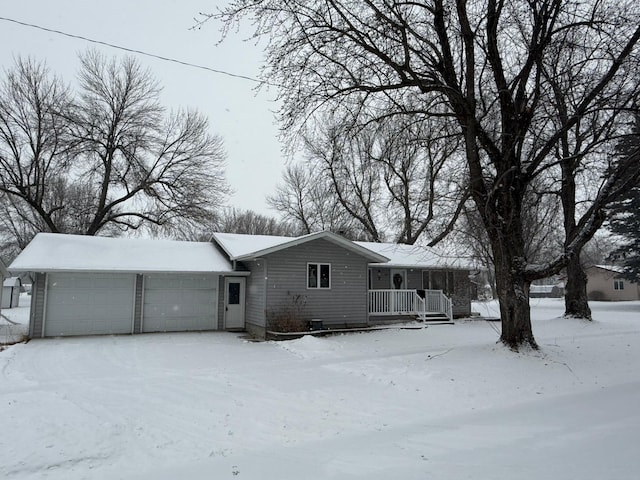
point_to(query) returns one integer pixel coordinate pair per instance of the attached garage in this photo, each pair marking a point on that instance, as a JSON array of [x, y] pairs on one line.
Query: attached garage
[[86, 285], [178, 303], [89, 304]]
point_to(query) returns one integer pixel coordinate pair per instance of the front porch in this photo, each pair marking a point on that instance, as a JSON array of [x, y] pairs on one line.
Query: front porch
[[423, 304]]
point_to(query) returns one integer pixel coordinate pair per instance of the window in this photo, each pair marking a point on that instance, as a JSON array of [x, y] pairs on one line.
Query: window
[[318, 275], [234, 293], [439, 280], [618, 285]]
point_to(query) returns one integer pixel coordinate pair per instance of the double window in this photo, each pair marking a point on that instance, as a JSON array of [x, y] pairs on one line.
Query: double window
[[318, 275], [439, 280], [618, 285]]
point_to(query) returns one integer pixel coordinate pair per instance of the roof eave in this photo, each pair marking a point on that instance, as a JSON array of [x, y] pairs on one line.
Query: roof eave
[[425, 267], [132, 271], [332, 237], [220, 243]]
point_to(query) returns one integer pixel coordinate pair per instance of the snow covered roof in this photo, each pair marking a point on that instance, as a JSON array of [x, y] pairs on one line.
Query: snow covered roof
[[246, 247], [541, 288], [54, 252], [612, 268], [11, 282], [415, 256], [240, 245]]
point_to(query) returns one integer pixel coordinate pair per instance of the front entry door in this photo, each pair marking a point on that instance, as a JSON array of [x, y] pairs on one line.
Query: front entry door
[[234, 303], [398, 279]]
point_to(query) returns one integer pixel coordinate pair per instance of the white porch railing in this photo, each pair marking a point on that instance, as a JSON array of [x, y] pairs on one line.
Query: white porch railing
[[408, 302]]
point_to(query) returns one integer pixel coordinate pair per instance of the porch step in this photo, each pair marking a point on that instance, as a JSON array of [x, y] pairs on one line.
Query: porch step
[[434, 318]]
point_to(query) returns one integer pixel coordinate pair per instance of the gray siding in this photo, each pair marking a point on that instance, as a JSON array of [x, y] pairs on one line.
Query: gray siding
[[138, 302], [345, 303], [37, 305], [255, 294], [220, 302]]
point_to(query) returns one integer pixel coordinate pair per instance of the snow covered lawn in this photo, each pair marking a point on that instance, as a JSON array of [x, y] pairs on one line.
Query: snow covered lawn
[[443, 402]]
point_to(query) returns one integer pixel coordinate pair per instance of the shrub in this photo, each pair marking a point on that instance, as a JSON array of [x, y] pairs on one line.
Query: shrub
[[597, 296], [290, 317]]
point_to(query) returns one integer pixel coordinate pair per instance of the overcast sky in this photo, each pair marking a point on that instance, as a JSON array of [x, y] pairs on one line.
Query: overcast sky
[[243, 117]]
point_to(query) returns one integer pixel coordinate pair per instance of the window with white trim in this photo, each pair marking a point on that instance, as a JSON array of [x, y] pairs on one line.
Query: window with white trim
[[318, 275], [618, 285]]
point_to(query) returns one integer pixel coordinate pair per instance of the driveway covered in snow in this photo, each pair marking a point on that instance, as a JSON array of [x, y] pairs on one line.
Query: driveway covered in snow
[[441, 402]]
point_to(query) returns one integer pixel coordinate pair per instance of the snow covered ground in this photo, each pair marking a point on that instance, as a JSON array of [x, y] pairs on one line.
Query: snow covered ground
[[444, 402]]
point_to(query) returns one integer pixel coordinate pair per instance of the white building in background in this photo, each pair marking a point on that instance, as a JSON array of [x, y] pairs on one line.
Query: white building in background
[[605, 282]]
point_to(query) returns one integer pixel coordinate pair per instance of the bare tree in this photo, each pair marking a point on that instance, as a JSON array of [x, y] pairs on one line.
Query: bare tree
[[585, 152], [145, 167], [109, 159], [34, 141], [252, 223], [480, 60], [542, 232], [392, 177], [233, 220], [425, 190], [306, 199], [18, 226], [346, 162]]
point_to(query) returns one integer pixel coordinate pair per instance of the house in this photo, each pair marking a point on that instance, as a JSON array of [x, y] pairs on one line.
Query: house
[[604, 282], [86, 285], [11, 289], [4, 273]]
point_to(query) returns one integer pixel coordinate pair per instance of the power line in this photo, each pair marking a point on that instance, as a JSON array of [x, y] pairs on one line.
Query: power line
[[132, 50]]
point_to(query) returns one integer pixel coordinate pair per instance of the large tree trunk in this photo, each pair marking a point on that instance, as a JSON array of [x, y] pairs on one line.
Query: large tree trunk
[[513, 296], [575, 297]]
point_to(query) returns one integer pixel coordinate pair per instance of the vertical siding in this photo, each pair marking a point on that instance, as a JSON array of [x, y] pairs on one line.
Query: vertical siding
[[36, 315], [345, 303], [138, 302]]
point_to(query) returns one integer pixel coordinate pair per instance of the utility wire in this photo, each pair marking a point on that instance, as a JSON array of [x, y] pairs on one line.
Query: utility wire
[[132, 50]]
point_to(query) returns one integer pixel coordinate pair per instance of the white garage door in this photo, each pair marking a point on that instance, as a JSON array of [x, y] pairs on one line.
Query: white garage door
[[178, 303], [89, 303]]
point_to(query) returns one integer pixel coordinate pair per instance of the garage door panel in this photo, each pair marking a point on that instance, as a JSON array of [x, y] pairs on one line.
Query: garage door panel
[[180, 303], [89, 303]]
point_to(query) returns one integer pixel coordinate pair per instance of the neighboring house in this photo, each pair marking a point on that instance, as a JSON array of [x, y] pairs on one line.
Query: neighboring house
[[604, 282], [547, 291], [94, 285], [4, 273], [11, 289]]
